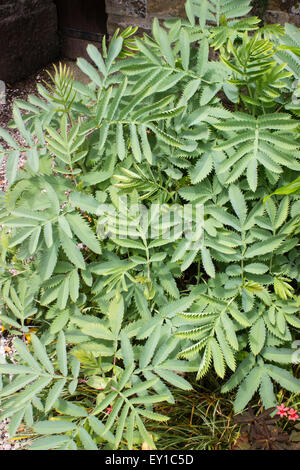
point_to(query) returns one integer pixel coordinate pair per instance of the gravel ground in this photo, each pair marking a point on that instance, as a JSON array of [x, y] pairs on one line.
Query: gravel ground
[[18, 91], [7, 350], [296, 9], [21, 90]]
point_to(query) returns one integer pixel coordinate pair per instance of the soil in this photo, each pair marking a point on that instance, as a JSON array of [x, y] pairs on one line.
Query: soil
[[7, 350], [20, 91]]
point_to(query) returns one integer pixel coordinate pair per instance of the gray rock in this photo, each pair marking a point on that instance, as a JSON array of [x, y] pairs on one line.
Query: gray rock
[[28, 37]]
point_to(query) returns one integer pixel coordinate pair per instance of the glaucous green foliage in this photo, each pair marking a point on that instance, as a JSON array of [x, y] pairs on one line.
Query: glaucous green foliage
[[120, 321]]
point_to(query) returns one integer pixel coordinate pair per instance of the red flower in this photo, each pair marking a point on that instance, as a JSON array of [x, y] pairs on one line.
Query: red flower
[[282, 411], [109, 409], [293, 414]]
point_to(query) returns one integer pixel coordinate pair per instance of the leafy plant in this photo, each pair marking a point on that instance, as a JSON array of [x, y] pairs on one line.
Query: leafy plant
[[262, 432], [122, 313]]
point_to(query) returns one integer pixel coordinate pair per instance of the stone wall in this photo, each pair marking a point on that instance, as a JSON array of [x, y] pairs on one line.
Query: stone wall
[[123, 13], [281, 17], [28, 29], [28, 37]]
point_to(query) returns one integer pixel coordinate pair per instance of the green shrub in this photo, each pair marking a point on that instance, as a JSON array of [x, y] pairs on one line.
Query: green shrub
[[120, 320]]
